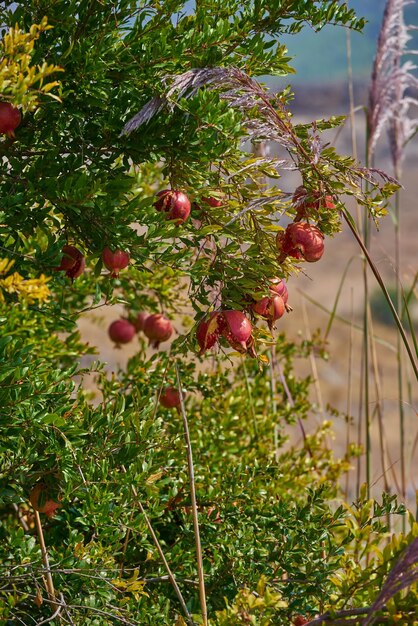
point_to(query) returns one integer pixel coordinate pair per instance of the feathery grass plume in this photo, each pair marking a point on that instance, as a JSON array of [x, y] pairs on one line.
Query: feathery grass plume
[[401, 576], [241, 91], [389, 102]]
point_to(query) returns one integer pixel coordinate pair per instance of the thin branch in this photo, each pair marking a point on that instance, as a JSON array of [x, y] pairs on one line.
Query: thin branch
[[45, 560], [202, 592], [162, 555]]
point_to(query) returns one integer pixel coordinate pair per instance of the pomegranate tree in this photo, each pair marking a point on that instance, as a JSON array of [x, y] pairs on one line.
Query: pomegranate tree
[[73, 262], [175, 204], [157, 328], [115, 261], [121, 331], [9, 119]]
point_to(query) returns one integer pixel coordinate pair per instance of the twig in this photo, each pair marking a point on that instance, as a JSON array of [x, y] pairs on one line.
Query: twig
[[45, 560], [21, 518], [202, 592]]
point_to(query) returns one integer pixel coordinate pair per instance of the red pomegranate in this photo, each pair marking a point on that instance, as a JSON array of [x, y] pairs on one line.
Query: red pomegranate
[[208, 332], [115, 261], [278, 286], [237, 328], [170, 398], [175, 204], [305, 201], [158, 329], [232, 325], [271, 309], [72, 263], [139, 321], [9, 119], [41, 501], [301, 241], [121, 331], [299, 620]]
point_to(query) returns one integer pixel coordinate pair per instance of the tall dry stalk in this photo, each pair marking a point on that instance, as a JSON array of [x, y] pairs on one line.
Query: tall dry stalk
[[389, 106]]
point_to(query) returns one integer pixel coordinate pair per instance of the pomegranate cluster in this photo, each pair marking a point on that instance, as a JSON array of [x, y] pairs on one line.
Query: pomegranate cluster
[[73, 262], [302, 240], [156, 327], [177, 206]]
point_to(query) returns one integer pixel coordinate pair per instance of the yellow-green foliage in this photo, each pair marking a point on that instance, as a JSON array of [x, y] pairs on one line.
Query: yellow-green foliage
[[29, 290], [252, 607], [20, 81]]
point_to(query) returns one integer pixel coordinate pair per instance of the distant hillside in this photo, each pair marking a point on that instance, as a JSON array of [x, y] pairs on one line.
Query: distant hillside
[[321, 57]]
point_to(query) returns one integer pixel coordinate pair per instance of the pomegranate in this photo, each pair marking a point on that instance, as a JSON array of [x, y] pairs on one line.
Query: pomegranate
[[121, 331], [157, 328], [249, 347], [73, 262], [115, 261], [299, 620], [232, 325], [139, 321], [279, 286], [301, 241], [305, 201], [208, 331], [175, 204], [237, 328], [271, 309], [10, 119], [170, 398], [40, 500], [213, 202]]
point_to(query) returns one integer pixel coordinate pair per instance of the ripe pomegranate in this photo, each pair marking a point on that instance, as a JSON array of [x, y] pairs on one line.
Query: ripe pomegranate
[[301, 241], [232, 325], [299, 620], [237, 328], [157, 328], [279, 286], [10, 119], [271, 309], [208, 331], [175, 204], [170, 398], [115, 261], [40, 500], [121, 331], [139, 321], [73, 262], [305, 201]]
